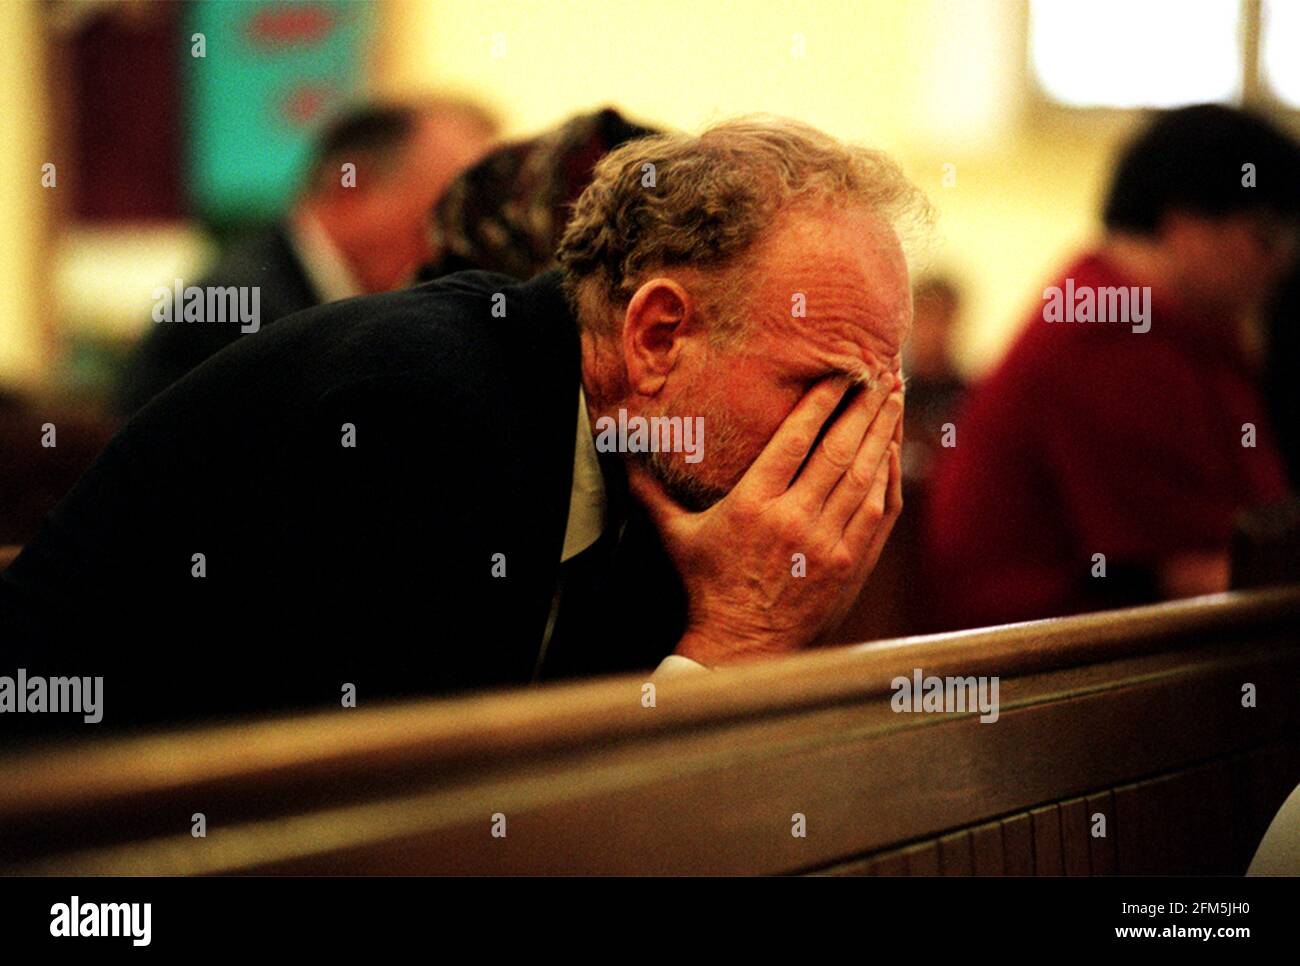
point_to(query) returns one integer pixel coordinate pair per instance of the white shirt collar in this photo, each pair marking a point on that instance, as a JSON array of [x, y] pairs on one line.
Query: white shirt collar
[[587, 496], [327, 270]]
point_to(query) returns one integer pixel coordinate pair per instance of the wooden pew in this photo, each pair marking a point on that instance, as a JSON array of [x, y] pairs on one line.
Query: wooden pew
[[1135, 716], [8, 553]]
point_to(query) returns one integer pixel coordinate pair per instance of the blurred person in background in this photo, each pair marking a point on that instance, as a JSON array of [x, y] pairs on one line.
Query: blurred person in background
[[1101, 464], [934, 386], [507, 212], [343, 237]]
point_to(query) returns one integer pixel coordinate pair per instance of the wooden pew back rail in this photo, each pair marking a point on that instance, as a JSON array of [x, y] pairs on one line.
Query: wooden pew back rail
[[1155, 740]]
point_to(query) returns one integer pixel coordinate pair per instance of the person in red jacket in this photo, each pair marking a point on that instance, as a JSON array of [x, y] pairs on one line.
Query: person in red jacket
[[1102, 462]]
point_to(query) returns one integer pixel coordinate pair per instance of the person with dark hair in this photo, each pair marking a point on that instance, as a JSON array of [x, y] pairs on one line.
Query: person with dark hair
[[359, 226], [1102, 462]]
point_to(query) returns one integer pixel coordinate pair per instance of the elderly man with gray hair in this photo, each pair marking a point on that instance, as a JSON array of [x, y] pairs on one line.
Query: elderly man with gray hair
[[682, 445]]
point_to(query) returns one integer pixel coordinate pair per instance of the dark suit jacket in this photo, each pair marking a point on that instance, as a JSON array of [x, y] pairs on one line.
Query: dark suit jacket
[[171, 349], [325, 564]]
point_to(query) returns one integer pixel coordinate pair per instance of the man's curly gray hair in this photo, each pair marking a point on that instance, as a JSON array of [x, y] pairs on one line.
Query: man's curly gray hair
[[703, 201]]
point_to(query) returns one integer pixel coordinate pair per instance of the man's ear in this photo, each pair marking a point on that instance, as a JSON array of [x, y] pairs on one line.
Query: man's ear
[[659, 316]]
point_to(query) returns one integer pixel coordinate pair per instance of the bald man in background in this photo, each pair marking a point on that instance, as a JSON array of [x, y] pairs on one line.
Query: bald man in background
[[343, 237]]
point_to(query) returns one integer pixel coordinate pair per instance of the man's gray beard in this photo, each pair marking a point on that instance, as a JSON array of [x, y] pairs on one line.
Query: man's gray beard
[[676, 476], [688, 492]]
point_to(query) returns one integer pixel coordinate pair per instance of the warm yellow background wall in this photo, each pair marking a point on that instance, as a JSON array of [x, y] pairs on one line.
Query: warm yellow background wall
[[933, 81], [24, 307]]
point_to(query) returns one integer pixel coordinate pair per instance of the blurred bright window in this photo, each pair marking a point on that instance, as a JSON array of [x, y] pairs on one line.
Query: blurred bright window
[[1280, 50], [1141, 53]]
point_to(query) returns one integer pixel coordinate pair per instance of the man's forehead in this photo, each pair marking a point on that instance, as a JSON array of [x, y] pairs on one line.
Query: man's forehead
[[838, 270], [802, 357], [847, 322]]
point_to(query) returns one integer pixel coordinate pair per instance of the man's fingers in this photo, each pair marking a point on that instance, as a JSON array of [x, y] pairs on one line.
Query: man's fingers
[[862, 528], [771, 473], [893, 509], [833, 458], [894, 498], [867, 468]]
